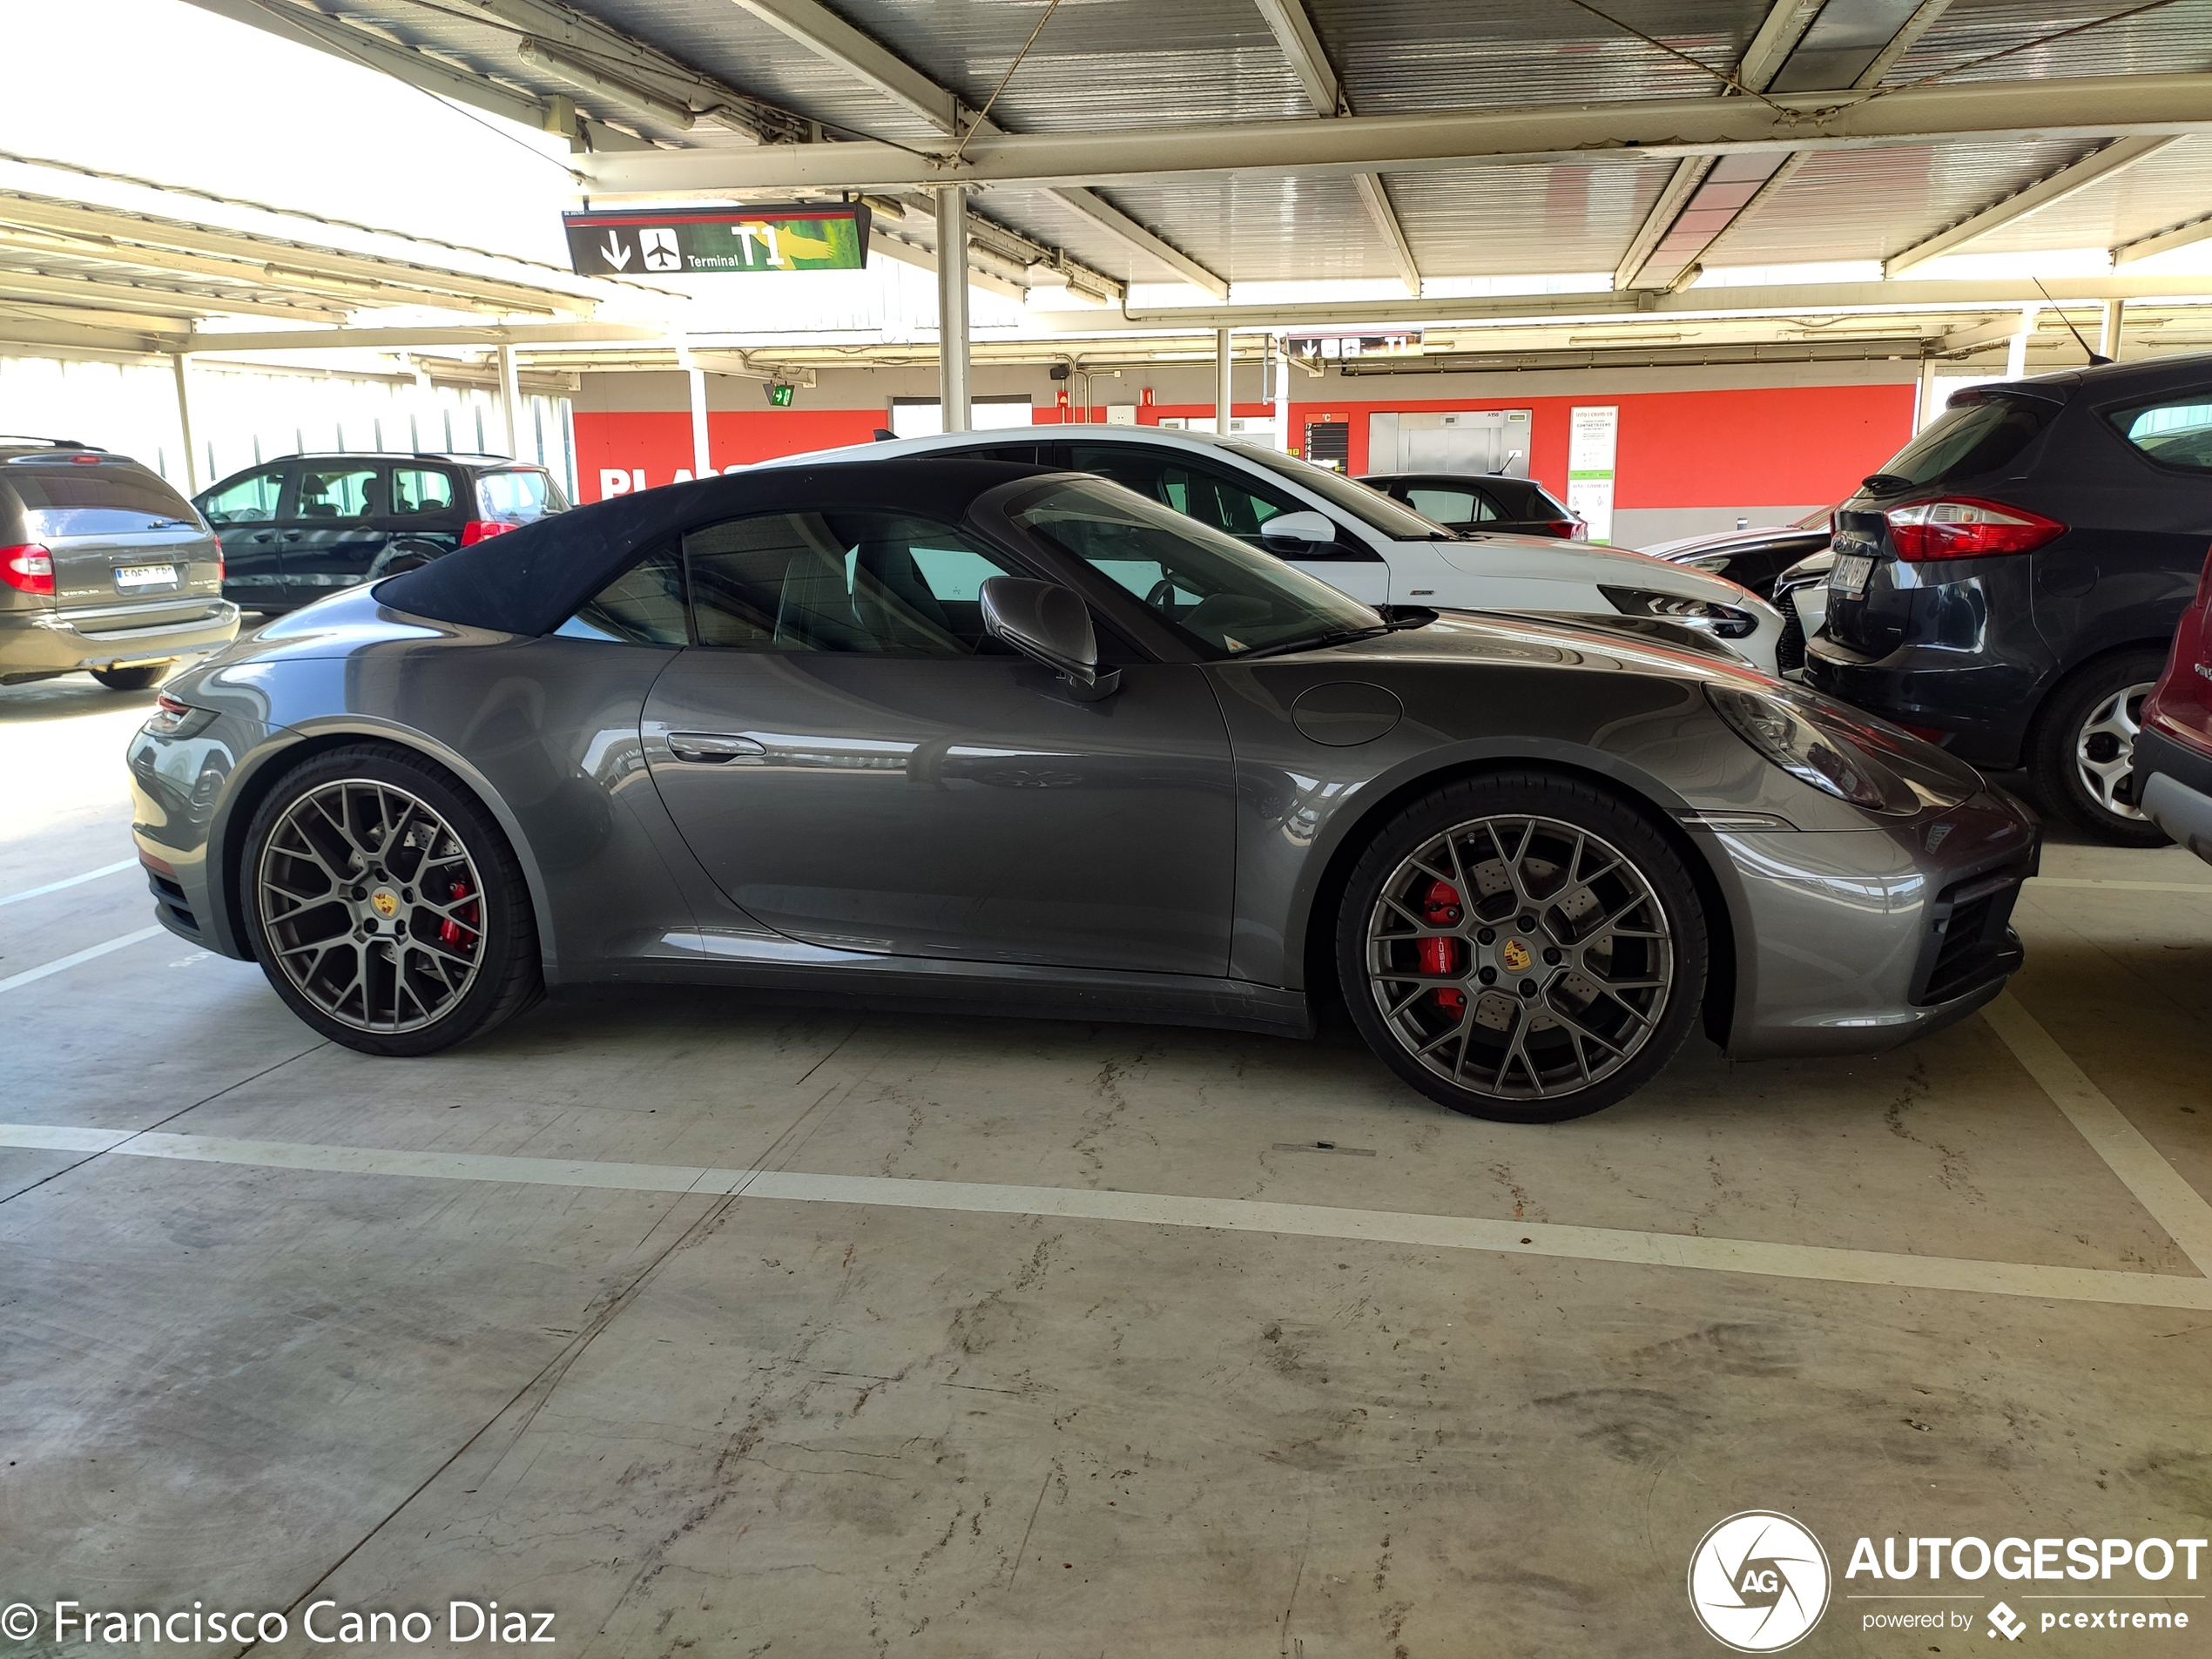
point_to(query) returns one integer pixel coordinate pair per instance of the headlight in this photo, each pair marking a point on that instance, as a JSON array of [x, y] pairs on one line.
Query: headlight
[[174, 717], [1712, 564], [1812, 743], [1724, 620]]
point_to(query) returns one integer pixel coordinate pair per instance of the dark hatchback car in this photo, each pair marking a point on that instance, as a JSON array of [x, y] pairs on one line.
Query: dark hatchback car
[[1753, 558], [2009, 585], [1498, 505], [294, 529]]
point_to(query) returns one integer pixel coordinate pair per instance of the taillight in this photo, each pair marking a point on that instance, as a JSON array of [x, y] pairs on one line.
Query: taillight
[[28, 569], [1562, 527], [1964, 529], [477, 529]]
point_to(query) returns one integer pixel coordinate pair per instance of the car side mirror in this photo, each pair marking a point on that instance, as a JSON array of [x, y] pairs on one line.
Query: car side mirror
[[1292, 532], [1051, 624]]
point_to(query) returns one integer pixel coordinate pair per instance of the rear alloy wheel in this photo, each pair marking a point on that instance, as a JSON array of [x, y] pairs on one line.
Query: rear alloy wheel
[[386, 907], [2084, 750], [1525, 948]]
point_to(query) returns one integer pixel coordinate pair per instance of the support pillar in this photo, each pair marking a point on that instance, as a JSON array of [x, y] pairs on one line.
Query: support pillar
[[1281, 348], [184, 419], [952, 306], [1224, 364], [2108, 330], [510, 401], [702, 463], [2016, 348]]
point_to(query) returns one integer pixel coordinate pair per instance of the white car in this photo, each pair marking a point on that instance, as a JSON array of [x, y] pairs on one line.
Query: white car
[[1358, 540]]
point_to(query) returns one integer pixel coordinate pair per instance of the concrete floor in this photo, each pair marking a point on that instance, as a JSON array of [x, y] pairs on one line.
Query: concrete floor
[[721, 1330]]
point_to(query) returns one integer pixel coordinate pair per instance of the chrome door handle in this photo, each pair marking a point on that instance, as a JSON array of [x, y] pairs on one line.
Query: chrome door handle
[[711, 748]]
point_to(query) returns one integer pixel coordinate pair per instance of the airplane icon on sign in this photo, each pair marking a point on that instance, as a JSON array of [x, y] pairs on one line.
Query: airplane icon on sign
[[662, 252]]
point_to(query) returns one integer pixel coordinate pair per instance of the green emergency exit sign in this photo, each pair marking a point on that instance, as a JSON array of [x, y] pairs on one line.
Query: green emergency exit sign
[[717, 241]]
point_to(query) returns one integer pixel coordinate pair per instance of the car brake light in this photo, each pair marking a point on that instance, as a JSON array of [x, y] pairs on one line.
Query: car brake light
[[28, 569], [86, 461], [477, 529], [1962, 527], [1563, 526]]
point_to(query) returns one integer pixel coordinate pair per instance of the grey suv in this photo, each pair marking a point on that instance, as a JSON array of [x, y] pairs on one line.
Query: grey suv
[[101, 567]]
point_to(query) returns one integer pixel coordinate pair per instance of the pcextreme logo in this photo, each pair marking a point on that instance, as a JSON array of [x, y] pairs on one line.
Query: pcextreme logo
[[1758, 1582]]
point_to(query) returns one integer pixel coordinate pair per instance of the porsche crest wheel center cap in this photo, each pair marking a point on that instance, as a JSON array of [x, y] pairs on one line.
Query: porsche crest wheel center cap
[[385, 903], [1514, 955]]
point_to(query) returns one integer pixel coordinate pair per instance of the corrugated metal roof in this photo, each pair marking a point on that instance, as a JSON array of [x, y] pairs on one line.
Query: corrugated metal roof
[[1264, 230], [1504, 221], [1869, 203], [2132, 203], [2173, 38]]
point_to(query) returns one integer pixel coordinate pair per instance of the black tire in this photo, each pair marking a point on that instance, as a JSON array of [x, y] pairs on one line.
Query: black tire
[[453, 954], [1582, 1046], [144, 677], [2084, 740]]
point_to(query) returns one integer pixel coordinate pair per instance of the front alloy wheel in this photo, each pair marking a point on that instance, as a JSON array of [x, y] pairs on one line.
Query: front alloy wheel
[[2082, 750], [1532, 962], [2104, 750]]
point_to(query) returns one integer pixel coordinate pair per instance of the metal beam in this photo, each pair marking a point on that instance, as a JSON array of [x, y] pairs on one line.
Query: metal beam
[[1302, 49], [1975, 337], [42, 213], [523, 336], [1633, 131], [1751, 300], [2185, 234], [73, 331], [829, 37], [94, 294], [2114, 158]]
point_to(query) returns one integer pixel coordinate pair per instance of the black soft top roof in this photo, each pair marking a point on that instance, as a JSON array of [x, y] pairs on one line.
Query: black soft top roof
[[531, 580]]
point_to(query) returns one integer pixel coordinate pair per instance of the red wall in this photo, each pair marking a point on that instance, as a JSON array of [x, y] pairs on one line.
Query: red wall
[[1772, 446]]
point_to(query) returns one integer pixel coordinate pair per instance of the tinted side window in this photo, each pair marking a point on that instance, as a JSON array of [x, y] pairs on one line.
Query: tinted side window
[[1226, 500], [340, 492], [1969, 439], [644, 606], [864, 582], [1450, 506], [513, 495], [420, 489], [2174, 431], [251, 500]]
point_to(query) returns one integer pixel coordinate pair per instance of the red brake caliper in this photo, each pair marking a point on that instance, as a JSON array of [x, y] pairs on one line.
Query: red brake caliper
[[1440, 904], [461, 922]]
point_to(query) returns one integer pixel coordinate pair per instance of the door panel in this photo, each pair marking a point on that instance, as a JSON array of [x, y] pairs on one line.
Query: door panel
[[858, 766], [331, 535], [245, 516]]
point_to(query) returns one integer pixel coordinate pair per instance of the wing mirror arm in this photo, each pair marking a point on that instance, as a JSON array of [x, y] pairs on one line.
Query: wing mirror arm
[[1049, 624]]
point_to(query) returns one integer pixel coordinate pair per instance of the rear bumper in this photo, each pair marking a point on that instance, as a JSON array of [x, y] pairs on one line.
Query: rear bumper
[[1855, 941], [34, 643], [1981, 704], [2174, 783]]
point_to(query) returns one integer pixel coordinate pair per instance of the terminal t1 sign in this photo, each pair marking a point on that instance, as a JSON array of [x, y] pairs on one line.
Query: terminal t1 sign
[[697, 241]]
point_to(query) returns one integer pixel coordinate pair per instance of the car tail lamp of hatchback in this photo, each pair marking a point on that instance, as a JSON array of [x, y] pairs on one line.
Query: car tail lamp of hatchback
[[28, 569], [478, 530], [1565, 527], [1961, 528]]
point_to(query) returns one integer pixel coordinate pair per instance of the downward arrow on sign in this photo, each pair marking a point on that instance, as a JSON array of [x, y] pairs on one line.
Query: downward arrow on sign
[[616, 251]]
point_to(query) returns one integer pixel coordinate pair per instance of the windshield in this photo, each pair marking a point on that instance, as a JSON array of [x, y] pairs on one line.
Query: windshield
[[1233, 599], [1369, 505], [1979, 433]]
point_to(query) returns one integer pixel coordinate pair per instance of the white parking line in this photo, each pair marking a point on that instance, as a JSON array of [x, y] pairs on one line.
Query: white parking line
[[2157, 1186], [56, 887], [16, 981], [1230, 1215]]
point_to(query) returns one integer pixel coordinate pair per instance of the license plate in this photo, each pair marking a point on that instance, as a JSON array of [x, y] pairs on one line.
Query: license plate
[[146, 576], [1848, 575]]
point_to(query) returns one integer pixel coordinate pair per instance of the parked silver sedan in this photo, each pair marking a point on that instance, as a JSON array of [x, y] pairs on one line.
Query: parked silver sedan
[[980, 736]]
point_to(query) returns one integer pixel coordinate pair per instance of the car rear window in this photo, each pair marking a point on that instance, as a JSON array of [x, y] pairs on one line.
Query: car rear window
[[2174, 431], [70, 499], [521, 493], [1980, 432]]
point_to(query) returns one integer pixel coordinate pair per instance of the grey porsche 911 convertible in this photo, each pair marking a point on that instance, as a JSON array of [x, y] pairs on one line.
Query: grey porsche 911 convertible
[[968, 735]]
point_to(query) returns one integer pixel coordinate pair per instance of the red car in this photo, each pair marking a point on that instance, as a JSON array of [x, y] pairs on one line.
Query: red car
[[2173, 749]]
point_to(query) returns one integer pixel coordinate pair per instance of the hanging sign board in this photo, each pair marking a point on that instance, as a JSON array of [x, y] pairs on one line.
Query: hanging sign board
[[1406, 342], [713, 240], [1592, 434]]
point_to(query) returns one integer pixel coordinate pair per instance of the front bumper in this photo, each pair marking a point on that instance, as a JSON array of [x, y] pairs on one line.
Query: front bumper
[[50, 641], [1851, 942], [2174, 783], [1981, 704]]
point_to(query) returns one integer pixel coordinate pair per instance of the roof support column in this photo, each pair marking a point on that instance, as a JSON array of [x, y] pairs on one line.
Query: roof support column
[[2108, 330], [510, 400], [702, 463], [2016, 348], [1223, 367], [184, 419], [952, 306], [1281, 347]]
